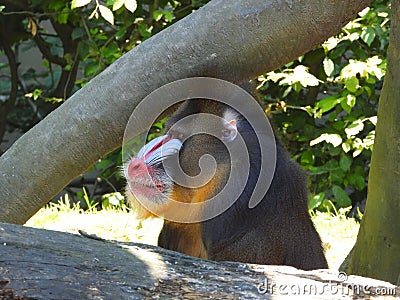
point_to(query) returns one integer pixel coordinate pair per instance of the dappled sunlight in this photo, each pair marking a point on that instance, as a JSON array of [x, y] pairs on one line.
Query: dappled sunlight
[[107, 224], [338, 233]]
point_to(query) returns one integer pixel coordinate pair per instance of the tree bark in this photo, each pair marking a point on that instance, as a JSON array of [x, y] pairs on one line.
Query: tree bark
[[228, 39], [377, 250], [42, 264]]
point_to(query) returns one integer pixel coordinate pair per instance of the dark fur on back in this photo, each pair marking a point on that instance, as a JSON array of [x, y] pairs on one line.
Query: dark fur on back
[[278, 230]]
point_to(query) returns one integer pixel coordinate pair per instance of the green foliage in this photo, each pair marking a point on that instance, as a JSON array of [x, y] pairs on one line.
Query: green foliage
[[90, 203], [324, 106], [113, 201], [75, 40]]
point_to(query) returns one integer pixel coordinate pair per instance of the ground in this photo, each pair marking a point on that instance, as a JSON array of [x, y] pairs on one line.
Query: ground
[[338, 232]]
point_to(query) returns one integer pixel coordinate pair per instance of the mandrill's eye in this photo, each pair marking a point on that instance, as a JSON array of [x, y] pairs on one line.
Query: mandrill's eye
[[230, 131]]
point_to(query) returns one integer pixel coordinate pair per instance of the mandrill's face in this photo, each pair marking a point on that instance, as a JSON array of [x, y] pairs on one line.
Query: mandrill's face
[[147, 179], [177, 165]]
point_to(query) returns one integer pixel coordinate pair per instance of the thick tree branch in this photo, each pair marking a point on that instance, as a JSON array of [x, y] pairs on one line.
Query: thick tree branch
[[43, 264]]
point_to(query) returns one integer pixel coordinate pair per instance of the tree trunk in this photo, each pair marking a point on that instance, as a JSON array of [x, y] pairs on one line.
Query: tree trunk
[[377, 250], [228, 39], [42, 264]]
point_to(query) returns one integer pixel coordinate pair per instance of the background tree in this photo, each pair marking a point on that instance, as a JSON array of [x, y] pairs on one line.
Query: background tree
[[377, 250], [324, 106]]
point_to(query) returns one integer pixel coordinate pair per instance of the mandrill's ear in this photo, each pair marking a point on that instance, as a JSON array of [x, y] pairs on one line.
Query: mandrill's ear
[[229, 131]]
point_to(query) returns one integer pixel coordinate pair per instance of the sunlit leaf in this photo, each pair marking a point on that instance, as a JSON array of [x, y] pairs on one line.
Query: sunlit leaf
[[354, 128], [157, 15], [331, 138], [301, 74], [364, 12], [79, 3], [346, 147], [373, 120], [117, 4], [107, 14], [329, 66], [353, 68], [131, 5], [368, 35], [330, 44]]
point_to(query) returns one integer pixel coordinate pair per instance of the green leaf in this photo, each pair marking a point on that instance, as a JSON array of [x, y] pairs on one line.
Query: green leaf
[[107, 14], [307, 158], [144, 30], [351, 100], [370, 80], [329, 66], [338, 125], [92, 69], [157, 15], [337, 176], [348, 102], [62, 18], [316, 200], [77, 33], [111, 50], [131, 5], [36, 94], [120, 33], [356, 180], [341, 196], [168, 15], [368, 35], [345, 162], [2, 7], [103, 164], [117, 4], [352, 84], [79, 3], [328, 103]]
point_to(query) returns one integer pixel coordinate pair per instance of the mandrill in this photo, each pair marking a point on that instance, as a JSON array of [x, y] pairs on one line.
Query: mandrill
[[277, 231]]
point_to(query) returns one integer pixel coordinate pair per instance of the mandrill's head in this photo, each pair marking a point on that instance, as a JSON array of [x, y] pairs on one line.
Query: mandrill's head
[[189, 163]]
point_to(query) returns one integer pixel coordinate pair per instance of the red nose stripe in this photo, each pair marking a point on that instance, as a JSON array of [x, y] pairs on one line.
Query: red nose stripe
[[156, 146]]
